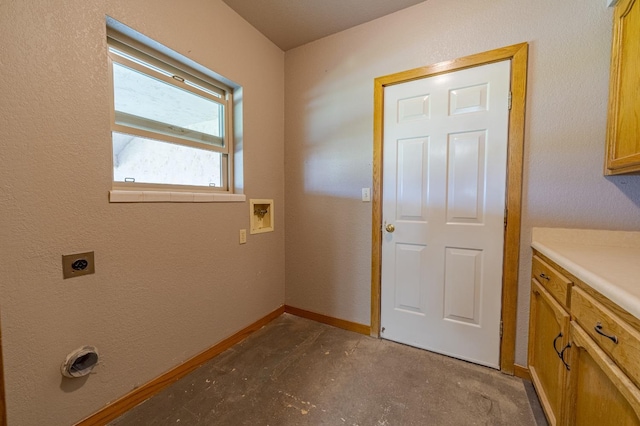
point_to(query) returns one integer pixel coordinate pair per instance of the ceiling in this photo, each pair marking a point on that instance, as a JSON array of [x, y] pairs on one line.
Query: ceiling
[[292, 23]]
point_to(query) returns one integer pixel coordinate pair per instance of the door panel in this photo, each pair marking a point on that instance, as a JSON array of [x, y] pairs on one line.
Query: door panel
[[412, 182], [465, 201], [444, 180], [468, 99], [409, 293], [462, 285], [414, 108]]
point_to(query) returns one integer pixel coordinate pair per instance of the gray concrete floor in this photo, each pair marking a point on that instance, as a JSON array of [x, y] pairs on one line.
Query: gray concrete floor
[[300, 372]]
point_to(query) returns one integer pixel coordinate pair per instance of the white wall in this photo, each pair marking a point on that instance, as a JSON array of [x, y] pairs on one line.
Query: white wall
[[329, 131], [171, 279]]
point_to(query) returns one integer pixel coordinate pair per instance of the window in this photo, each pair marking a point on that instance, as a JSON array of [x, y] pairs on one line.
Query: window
[[171, 125]]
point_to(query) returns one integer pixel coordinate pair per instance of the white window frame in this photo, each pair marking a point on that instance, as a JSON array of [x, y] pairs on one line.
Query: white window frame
[[179, 74]]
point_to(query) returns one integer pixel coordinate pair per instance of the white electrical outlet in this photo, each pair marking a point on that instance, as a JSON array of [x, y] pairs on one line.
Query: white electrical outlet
[[243, 236], [366, 194]]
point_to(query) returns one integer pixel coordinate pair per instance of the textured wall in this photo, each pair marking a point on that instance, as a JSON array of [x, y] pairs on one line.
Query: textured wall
[[171, 279], [329, 131]]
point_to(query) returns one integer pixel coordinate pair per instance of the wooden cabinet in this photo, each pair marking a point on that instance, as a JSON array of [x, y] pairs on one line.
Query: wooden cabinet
[[552, 280], [599, 393], [615, 337], [584, 352], [548, 336], [623, 127]]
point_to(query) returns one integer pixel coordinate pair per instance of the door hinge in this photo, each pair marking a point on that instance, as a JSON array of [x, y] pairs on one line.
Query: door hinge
[[509, 100], [501, 328], [506, 214]]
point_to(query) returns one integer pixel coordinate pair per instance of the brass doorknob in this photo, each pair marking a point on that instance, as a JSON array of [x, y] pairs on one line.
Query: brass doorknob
[[390, 228]]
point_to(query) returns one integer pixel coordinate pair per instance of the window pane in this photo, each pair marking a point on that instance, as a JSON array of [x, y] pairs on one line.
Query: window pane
[[150, 161], [147, 103]]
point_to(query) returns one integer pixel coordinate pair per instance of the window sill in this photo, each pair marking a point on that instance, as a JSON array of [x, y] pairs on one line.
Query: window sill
[[120, 196]]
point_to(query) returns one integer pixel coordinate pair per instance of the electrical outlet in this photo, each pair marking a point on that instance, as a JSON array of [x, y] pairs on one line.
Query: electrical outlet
[[75, 265], [243, 236]]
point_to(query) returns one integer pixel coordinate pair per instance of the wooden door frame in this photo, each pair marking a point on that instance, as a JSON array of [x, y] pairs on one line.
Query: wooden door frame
[[518, 54], [3, 408]]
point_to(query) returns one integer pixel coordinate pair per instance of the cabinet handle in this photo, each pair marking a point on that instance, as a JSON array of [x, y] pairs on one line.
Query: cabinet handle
[[545, 277], [598, 329], [561, 355], [554, 343]]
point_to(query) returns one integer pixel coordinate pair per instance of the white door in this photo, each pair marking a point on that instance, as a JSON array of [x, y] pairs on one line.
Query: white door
[[444, 186]]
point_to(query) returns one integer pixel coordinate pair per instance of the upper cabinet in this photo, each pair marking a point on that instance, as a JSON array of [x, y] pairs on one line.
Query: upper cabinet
[[623, 129]]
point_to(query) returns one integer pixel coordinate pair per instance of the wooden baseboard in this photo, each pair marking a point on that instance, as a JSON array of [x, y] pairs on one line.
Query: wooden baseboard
[[336, 322], [138, 395], [521, 372]]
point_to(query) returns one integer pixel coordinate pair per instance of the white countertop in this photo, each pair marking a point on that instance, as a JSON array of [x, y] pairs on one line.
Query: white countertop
[[608, 261]]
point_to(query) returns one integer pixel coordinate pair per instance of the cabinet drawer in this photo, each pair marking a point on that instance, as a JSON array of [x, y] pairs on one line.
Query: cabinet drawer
[[623, 343], [553, 281]]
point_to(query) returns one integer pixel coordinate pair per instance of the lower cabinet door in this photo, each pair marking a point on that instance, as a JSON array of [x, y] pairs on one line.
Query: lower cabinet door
[[548, 335], [598, 393]]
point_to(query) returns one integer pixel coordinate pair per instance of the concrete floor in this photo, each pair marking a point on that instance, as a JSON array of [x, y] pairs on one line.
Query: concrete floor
[[299, 372]]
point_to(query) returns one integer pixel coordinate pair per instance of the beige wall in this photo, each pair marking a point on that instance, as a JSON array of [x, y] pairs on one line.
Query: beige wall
[[329, 130], [171, 279]]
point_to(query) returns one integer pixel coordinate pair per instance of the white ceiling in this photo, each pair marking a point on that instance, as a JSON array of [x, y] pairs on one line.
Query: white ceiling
[[292, 23]]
